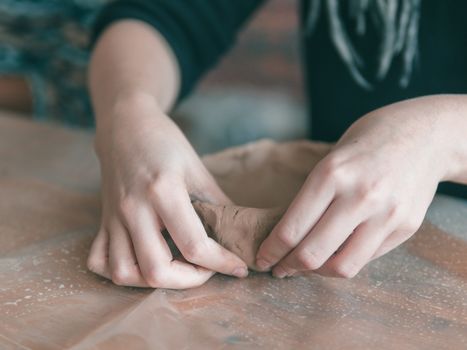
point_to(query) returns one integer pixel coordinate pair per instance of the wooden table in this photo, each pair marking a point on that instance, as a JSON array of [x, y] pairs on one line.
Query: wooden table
[[413, 298]]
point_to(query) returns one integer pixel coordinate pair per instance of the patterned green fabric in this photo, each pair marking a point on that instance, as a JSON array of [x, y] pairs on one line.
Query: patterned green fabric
[[47, 42]]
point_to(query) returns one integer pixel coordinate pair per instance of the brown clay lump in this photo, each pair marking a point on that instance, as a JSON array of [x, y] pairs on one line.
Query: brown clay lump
[[239, 229]]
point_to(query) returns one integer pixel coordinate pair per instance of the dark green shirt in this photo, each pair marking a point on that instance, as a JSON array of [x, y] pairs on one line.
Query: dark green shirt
[[201, 31]]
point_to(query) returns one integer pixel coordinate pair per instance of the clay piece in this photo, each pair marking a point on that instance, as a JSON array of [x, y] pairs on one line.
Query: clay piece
[[239, 229], [261, 179]]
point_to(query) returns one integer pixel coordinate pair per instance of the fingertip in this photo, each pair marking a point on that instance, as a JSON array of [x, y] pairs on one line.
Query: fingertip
[[185, 275], [261, 262], [269, 253], [233, 264], [240, 272], [279, 272], [238, 268]]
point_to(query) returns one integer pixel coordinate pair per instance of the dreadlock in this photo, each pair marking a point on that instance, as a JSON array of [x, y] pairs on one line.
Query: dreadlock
[[396, 21]]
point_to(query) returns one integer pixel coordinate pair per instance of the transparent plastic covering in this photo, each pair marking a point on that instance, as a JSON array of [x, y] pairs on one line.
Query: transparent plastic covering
[[413, 298]]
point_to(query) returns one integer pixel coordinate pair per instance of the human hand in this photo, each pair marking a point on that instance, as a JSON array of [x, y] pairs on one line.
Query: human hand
[[366, 197], [149, 172]]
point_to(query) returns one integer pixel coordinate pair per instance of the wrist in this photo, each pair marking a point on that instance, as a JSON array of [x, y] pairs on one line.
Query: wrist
[[423, 127], [440, 121], [435, 116], [131, 104], [452, 110], [128, 111]]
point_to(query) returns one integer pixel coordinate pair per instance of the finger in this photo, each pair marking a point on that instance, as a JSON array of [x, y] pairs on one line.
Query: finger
[[303, 213], [154, 256], [210, 191], [356, 251], [187, 231], [392, 241], [185, 275], [124, 269], [98, 254], [335, 226]]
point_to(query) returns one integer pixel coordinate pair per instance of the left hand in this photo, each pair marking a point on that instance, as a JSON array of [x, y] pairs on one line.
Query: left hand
[[367, 196]]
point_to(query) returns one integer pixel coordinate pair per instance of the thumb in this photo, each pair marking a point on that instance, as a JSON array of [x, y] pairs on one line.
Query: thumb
[[208, 190]]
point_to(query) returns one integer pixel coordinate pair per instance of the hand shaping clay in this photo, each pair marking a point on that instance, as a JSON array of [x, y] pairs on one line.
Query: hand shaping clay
[[261, 179], [239, 229]]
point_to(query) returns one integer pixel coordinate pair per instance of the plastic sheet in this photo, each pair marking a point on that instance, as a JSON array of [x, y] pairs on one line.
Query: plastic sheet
[[413, 298]]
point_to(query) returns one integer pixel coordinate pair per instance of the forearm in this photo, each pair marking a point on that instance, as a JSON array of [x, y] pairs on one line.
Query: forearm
[[443, 118], [131, 64], [434, 126]]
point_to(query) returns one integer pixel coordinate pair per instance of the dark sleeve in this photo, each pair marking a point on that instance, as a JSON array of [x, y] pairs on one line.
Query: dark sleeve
[[198, 31]]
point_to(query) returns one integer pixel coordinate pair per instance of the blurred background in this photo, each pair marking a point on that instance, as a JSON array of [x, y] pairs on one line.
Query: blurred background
[[255, 92]]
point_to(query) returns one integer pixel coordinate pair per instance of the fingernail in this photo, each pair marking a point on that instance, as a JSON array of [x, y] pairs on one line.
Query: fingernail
[[262, 264], [279, 272], [240, 272]]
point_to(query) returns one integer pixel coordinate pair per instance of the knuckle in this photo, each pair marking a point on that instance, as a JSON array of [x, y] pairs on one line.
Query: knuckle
[[120, 275], [309, 260], [156, 278], [193, 251], [333, 169], [160, 186], [371, 193], [286, 237], [412, 224]]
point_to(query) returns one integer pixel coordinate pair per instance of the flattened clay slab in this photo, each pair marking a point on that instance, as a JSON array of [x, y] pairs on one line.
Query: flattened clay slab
[[265, 174], [261, 178]]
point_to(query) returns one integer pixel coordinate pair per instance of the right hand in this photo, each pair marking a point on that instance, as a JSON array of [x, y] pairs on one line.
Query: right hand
[[150, 173]]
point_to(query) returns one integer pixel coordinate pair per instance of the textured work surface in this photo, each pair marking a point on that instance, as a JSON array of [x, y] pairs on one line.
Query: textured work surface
[[413, 298]]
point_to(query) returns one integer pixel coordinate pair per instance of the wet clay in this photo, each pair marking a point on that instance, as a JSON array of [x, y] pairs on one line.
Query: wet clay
[[255, 177], [239, 229], [265, 174]]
